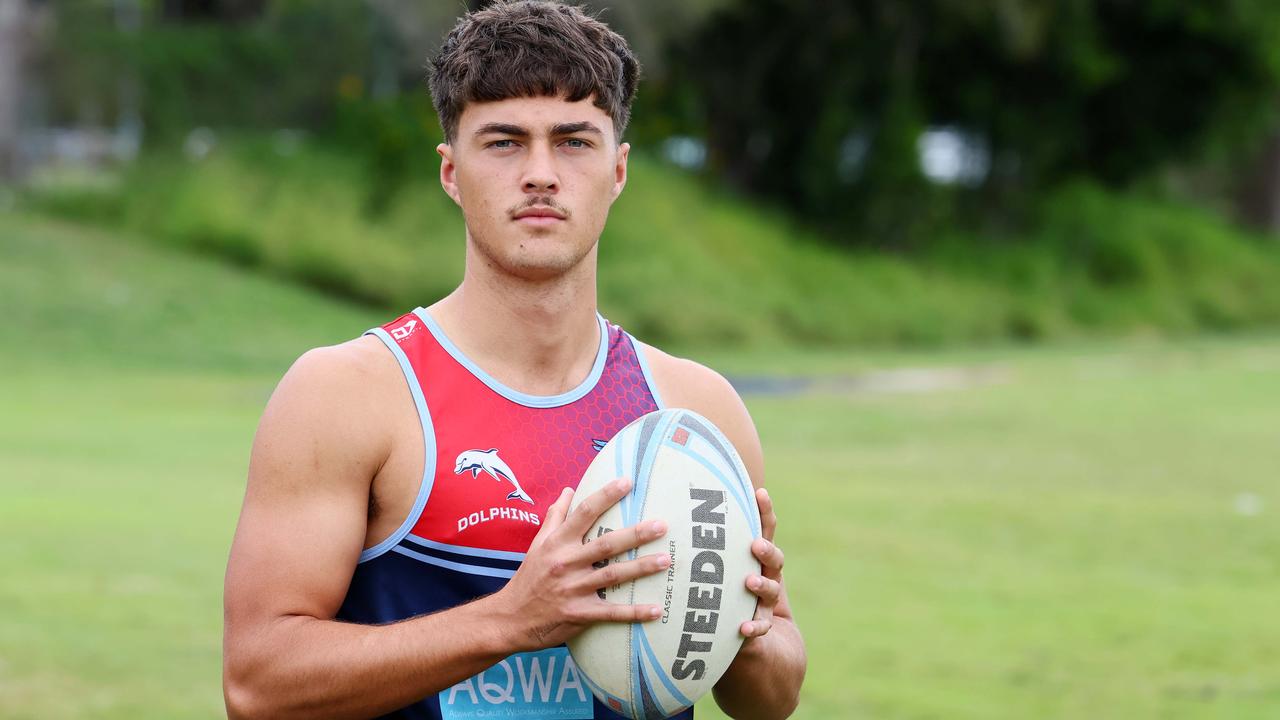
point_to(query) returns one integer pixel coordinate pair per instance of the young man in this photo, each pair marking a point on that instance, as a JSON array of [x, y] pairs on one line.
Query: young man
[[406, 524]]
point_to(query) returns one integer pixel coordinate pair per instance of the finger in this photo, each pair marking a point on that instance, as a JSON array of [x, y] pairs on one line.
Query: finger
[[767, 590], [769, 555], [602, 611], [756, 628], [615, 543], [616, 573], [768, 518], [593, 506], [555, 516]]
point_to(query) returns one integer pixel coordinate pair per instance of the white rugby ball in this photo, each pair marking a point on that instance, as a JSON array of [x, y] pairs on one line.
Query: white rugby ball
[[684, 471]]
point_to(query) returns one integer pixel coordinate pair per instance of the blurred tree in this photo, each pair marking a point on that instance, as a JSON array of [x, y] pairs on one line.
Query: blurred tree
[[212, 10], [821, 104], [14, 31], [273, 63], [246, 64], [1257, 190]]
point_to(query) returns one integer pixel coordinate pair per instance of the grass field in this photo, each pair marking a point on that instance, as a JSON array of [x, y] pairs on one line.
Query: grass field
[[1089, 534]]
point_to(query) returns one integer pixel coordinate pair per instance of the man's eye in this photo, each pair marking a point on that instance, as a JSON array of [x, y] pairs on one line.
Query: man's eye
[[500, 144], [576, 143]]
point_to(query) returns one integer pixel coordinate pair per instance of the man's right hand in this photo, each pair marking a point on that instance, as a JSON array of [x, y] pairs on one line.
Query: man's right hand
[[552, 597]]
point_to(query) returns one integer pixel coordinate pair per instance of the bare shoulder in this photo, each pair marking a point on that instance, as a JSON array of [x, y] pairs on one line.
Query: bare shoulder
[[350, 364], [319, 444], [688, 384], [355, 371], [333, 394]]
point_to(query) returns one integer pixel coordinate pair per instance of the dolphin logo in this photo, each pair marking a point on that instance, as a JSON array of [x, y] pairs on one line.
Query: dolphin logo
[[488, 461]]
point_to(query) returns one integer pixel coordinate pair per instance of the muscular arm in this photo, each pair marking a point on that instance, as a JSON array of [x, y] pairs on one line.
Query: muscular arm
[[764, 679], [318, 447], [322, 439]]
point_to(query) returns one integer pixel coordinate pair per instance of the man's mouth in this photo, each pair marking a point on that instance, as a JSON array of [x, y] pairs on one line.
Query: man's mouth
[[539, 216]]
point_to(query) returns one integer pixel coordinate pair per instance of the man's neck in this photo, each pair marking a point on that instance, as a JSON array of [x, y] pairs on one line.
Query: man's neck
[[537, 337]]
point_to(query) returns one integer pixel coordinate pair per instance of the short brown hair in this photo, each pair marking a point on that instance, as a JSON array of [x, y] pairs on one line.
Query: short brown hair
[[532, 48]]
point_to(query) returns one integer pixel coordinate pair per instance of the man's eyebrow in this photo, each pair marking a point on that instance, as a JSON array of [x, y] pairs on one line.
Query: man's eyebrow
[[502, 129], [575, 127]]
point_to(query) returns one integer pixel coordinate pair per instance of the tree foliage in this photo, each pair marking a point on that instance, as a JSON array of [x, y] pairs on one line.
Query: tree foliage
[[817, 104], [287, 64], [821, 104]]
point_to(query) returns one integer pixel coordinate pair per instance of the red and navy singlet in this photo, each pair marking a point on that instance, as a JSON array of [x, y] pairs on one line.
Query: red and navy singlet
[[495, 460]]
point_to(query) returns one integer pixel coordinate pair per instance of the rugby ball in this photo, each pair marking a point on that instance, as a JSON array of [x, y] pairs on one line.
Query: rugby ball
[[684, 471]]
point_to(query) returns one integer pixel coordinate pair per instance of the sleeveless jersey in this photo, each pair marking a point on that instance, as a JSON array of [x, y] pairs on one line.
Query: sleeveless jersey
[[495, 460]]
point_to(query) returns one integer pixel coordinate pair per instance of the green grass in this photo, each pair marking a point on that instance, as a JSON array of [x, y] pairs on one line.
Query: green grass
[[1063, 543], [72, 296]]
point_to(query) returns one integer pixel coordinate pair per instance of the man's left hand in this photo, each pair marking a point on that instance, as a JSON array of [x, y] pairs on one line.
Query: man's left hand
[[768, 585]]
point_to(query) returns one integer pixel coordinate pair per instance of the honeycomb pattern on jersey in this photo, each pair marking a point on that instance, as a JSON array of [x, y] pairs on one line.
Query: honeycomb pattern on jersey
[[557, 442]]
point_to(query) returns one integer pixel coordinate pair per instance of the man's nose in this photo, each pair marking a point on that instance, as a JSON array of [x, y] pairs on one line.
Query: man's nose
[[540, 171]]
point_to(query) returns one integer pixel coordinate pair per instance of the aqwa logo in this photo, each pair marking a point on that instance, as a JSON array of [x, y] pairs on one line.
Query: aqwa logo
[[543, 684]]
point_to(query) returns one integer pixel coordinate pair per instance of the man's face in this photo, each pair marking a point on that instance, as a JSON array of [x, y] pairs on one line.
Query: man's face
[[535, 178]]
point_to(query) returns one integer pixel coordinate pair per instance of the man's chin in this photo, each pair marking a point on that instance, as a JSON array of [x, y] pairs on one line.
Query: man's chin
[[535, 255], [540, 269], [537, 264]]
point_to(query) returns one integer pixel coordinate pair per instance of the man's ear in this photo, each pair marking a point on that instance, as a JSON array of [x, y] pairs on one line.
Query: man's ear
[[620, 169], [448, 172]]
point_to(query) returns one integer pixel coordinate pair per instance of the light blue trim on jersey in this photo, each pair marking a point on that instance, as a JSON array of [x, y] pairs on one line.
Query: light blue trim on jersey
[[533, 401], [661, 673], [638, 347], [450, 565], [428, 446], [735, 489], [463, 550]]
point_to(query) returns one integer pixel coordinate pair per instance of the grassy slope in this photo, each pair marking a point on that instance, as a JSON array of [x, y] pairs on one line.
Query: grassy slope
[[74, 296], [133, 380], [747, 276], [683, 263], [1063, 544]]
